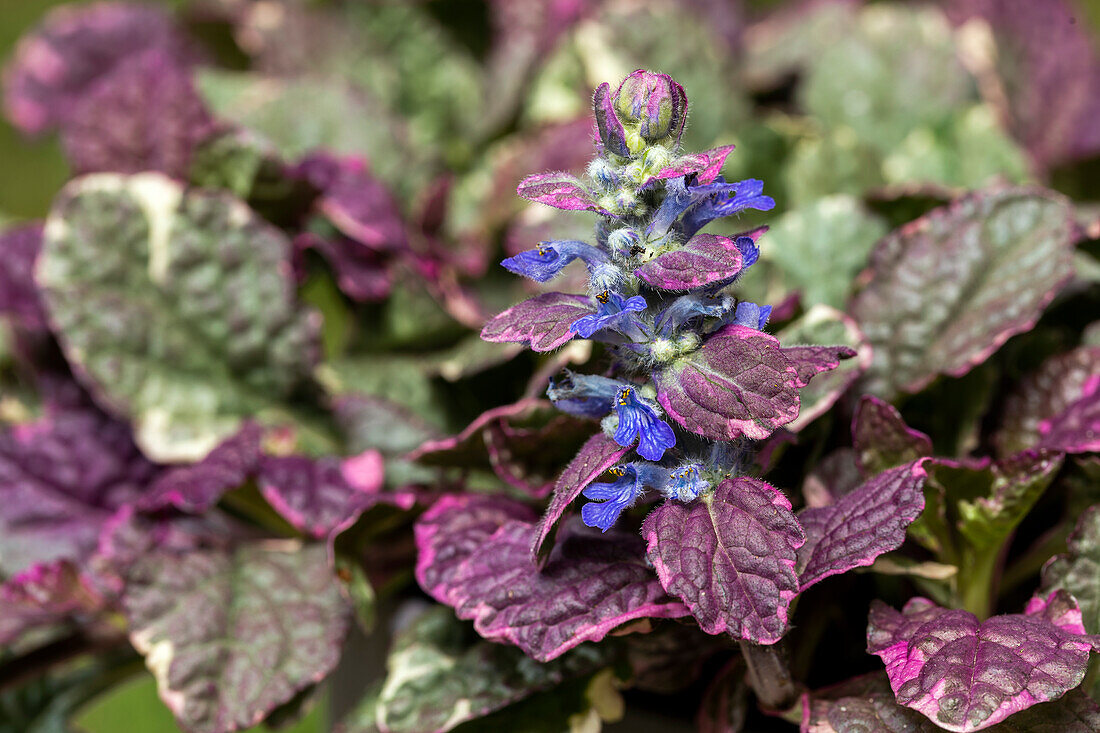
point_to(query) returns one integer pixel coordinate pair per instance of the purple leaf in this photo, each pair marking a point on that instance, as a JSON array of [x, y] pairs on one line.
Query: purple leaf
[[731, 557], [882, 439], [452, 530], [1077, 429], [232, 635], [560, 190], [592, 583], [144, 115], [1050, 70], [867, 704], [18, 295], [362, 274], [738, 384], [1057, 391], [703, 259], [597, 455], [948, 289], [43, 595], [61, 478], [830, 336], [358, 204], [543, 321], [834, 476], [55, 66], [706, 165], [965, 674], [199, 486], [324, 496], [867, 522]]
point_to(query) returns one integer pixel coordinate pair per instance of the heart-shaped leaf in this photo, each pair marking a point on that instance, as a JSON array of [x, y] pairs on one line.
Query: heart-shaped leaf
[[730, 556], [175, 307], [965, 674], [544, 321], [232, 635], [948, 289], [703, 259], [738, 384], [597, 455], [863, 524], [882, 439], [1047, 398]]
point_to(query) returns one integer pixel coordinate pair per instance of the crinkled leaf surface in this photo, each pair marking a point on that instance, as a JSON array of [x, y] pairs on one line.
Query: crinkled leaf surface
[[598, 454], [232, 635], [948, 289], [1045, 395], [18, 296], [543, 321], [440, 675], [145, 115], [882, 439], [1014, 485], [822, 246], [1078, 571], [863, 524], [730, 556], [176, 308], [54, 67], [703, 259], [44, 594], [867, 704], [61, 478], [452, 530], [738, 384], [965, 674], [832, 348], [591, 584]]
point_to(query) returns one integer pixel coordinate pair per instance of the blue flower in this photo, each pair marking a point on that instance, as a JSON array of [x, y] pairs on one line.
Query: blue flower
[[697, 205], [550, 258], [638, 420], [583, 395], [690, 306], [685, 483], [751, 315], [750, 253], [630, 481], [613, 312]]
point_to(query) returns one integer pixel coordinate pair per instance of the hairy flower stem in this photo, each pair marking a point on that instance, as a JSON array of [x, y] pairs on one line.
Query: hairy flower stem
[[770, 676]]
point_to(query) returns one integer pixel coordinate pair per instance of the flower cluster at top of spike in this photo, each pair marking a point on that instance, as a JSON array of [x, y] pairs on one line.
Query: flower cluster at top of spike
[[657, 287]]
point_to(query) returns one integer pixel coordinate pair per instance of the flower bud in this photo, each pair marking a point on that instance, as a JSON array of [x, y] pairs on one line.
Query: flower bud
[[655, 103]]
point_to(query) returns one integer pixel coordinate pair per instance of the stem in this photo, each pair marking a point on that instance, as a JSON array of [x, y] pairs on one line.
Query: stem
[[770, 676], [977, 576]]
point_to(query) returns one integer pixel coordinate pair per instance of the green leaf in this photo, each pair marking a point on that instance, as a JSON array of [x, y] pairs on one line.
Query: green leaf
[[230, 636], [822, 246], [441, 675], [1078, 571], [1011, 488], [838, 162], [176, 308], [896, 70]]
